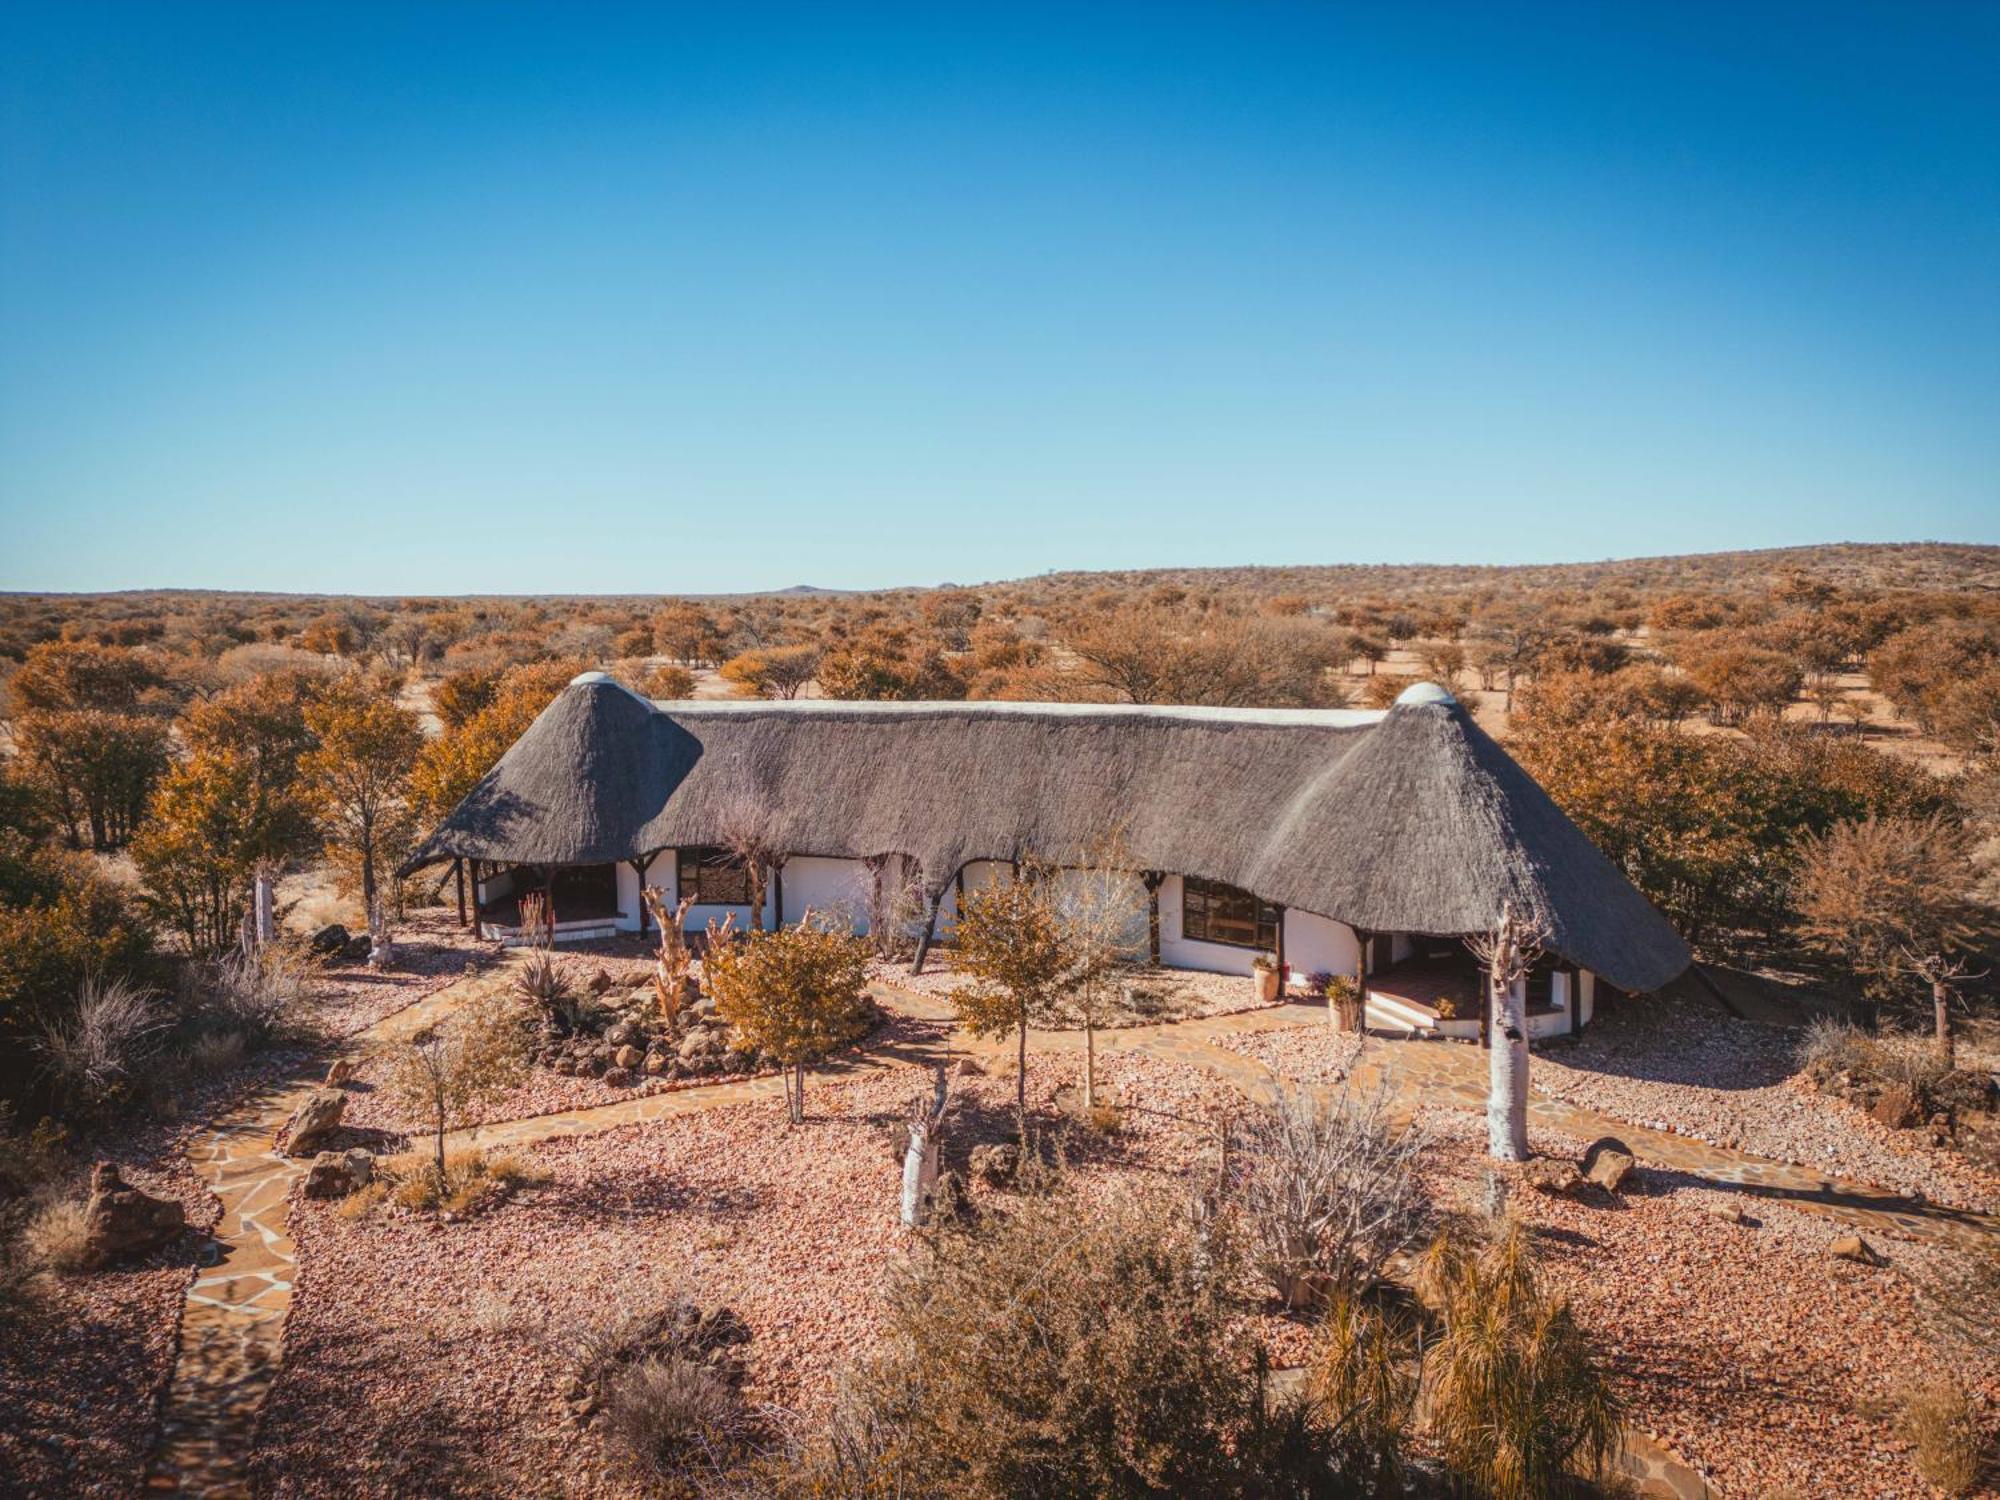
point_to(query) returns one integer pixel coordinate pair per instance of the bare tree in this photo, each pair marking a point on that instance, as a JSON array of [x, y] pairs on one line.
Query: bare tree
[[1507, 953], [749, 831], [1102, 909], [1329, 1191], [892, 897]]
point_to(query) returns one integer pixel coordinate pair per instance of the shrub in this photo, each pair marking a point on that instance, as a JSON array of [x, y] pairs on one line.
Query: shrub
[[1941, 1422], [1362, 1377], [545, 987], [672, 1420], [56, 1235], [471, 1181], [1329, 1192], [1057, 1351], [795, 994], [92, 1051], [1514, 1399], [257, 995]]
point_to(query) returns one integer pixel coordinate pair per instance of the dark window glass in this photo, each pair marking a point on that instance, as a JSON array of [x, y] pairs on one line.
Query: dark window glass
[[1215, 913], [714, 877]]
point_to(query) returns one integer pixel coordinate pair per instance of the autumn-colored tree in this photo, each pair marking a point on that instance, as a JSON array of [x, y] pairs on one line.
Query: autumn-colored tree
[[1740, 680], [263, 721], [64, 675], [885, 663], [357, 775], [486, 715], [1893, 896], [1011, 944], [98, 766], [1101, 906], [447, 1070], [200, 848], [668, 681], [797, 993], [686, 632], [1163, 656], [773, 671]]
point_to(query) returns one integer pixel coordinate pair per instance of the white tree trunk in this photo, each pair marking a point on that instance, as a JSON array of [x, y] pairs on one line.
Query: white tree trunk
[[381, 950], [263, 899], [920, 1168], [1507, 1097]]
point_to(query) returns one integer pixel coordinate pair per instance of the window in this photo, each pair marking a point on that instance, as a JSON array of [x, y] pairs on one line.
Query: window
[[1215, 913], [714, 877]]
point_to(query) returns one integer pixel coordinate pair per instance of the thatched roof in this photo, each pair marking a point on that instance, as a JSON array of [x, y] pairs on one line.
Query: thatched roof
[[1409, 820]]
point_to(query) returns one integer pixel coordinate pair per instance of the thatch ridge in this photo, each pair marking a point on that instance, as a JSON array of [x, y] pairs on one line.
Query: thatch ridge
[[1409, 820]]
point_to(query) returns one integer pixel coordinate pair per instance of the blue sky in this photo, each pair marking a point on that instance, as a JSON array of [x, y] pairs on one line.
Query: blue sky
[[482, 297]]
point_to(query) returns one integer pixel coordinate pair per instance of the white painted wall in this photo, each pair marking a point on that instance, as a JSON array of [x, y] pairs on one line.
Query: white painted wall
[[829, 887], [1313, 942]]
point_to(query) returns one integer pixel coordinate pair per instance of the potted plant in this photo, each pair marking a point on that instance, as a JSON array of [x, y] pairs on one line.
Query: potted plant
[[1343, 1001], [1264, 970]]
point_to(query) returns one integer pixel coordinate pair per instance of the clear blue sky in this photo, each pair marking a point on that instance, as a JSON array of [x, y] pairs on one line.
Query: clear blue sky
[[487, 297]]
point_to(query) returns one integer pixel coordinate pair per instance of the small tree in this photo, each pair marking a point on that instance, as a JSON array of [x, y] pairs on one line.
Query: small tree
[[796, 993], [358, 774], [749, 832], [1893, 896], [450, 1068], [1507, 953], [1102, 911], [1010, 939]]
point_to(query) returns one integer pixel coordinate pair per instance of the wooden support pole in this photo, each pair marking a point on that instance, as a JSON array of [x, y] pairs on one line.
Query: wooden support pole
[[930, 927], [1153, 880], [777, 894], [458, 879], [1280, 955]]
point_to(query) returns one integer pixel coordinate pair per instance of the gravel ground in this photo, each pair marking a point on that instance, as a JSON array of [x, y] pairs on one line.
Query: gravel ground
[[1166, 994], [1314, 1053], [1702, 1073], [431, 952], [83, 1360], [1760, 1360]]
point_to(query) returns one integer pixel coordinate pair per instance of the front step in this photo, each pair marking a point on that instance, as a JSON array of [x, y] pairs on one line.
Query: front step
[[1390, 1014]]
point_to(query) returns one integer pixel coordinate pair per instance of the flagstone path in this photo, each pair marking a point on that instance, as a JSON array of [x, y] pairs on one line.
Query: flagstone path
[[232, 1329]]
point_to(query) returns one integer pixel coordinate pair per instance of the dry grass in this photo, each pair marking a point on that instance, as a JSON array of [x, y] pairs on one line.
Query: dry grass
[[472, 1181], [55, 1236], [1941, 1421]]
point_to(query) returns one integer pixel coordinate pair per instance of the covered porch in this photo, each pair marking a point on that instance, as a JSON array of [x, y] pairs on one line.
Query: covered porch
[[1421, 985], [577, 903]]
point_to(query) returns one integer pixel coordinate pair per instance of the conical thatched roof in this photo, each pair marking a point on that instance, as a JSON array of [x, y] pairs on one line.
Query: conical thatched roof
[[1412, 820]]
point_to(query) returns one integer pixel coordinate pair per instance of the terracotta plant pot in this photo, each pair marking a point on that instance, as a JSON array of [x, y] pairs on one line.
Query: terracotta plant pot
[[1268, 984]]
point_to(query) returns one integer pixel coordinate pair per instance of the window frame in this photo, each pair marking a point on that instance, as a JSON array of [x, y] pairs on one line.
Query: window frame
[[1199, 896], [698, 866]]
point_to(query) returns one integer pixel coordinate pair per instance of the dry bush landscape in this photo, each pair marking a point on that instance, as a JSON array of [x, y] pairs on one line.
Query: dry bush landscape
[[636, 1275]]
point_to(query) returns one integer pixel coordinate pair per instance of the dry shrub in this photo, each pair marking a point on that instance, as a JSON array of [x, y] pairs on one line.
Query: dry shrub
[[1941, 1422], [1068, 1350], [1329, 1191], [1105, 1119], [93, 1051], [56, 1234], [545, 986], [214, 1052], [258, 994], [472, 1181], [675, 1422], [1362, 1372], [1514, 1399], [1960, 1292]]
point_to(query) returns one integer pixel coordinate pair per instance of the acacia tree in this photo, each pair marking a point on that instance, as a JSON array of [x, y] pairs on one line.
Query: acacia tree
[[1892, 896], [1010, 939], [1507, 953], [774, 671], [448, 1069], [797, 993], [358, 774]]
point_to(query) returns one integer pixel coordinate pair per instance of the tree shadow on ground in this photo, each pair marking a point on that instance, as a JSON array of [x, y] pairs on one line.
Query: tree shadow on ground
[[606, 1198]]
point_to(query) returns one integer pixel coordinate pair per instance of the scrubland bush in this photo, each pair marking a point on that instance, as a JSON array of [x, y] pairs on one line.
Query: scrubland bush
[[1329, 1192], [1941, 1422], [1063, 1351], [672, 1421], [545, 986], [92, 1052], [471, 1180], [57, 1234], [256, 996]]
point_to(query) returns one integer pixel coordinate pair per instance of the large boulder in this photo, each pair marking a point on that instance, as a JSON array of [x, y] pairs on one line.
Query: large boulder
[[699, 1043], [1608, 1163], [121, 1222], [335, 1174], [628, 1057], [313, 1121]]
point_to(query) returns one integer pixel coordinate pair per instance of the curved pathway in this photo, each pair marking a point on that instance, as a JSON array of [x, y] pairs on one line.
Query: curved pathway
[[232, 1330]]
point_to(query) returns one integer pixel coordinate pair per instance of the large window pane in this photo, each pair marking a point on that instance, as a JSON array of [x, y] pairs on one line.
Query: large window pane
[[1215, 913]]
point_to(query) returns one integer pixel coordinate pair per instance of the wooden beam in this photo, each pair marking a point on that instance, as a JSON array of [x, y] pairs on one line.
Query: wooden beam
[[930, 927], [1153, 880], [458, 878], [777, 894], [1281, 950]]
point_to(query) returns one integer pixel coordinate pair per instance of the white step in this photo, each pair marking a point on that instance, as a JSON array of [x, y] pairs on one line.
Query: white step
[[1391, 1014]]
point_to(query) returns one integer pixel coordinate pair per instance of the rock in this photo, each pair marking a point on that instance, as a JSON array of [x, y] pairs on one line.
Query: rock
[[618, 1078], [1608, 1163], [339, 1072], [1853, 1247], [358, 947], [565, 1067], [315, 1119], [994, 1165], [1729, 1213], [696, 1043], [657, 1062], [121, 1222], [1557, 1178], [628, 1058], [329, 940], [704, 1007], [599, 981], [335, 1174], [1940, 1125], [622, 1035], [1896, 1107]]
